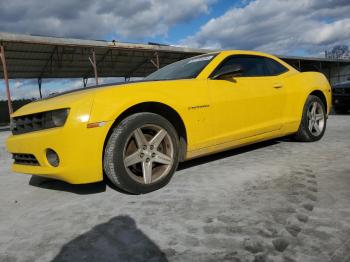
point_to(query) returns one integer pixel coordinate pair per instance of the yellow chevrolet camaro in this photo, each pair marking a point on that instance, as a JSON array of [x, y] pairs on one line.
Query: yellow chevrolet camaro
[[137, 133]]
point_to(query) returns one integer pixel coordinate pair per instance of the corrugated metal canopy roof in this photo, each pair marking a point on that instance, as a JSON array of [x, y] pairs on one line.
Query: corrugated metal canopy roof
[[53, 57]]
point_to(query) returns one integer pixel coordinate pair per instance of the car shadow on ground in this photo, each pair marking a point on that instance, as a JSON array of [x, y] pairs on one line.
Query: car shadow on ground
[[119, 239], [85, 189], [100, 187], [225, 154]]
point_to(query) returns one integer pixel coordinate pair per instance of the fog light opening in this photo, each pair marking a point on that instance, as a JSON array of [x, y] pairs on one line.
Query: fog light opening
[[52, 157]]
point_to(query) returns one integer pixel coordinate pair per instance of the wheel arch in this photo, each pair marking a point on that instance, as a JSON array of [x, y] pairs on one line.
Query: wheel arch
[[321, 96], [157, 108]]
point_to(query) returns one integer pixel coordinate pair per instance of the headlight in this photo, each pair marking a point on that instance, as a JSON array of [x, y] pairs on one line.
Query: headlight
[[56, 118], [59, 117], [39, 121]]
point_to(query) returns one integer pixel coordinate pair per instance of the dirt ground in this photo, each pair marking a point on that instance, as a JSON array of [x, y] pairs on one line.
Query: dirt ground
[[275, 201]]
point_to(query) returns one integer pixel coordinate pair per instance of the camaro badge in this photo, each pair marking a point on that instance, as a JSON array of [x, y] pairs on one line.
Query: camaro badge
[[197, 107]]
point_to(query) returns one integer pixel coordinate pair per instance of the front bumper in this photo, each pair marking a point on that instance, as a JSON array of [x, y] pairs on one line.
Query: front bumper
[[80, 150]]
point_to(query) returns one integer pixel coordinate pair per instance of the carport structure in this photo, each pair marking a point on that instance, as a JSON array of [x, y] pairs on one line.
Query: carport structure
[[39, 57], [336, 70]]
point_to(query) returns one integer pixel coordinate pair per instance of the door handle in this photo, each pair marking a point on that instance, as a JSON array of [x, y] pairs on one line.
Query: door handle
[[278, 85]]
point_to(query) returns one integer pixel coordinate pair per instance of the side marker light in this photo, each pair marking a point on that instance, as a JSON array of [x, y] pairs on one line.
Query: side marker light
[[97, 124]]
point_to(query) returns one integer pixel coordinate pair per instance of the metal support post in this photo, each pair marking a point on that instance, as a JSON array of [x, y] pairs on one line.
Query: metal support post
[[4, 67], [39, 84], [94, 65], [85, 80], [156, 63], [338, 72]]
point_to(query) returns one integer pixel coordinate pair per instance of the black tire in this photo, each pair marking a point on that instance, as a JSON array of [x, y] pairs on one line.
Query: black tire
[[113, 160], [304, 134]]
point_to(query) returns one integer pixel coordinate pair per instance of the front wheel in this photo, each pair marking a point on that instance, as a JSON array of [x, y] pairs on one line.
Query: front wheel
[[314, 120], [142, 153]]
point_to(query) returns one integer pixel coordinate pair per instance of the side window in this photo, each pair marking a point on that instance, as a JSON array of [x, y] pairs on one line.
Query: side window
[[274, 68], [252, 65]]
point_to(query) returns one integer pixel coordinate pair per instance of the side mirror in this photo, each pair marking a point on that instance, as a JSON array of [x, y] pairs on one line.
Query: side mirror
[[228, 71]]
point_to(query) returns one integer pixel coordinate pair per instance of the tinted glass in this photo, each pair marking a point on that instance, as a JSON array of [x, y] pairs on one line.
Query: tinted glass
[[184, 69], [252, 65], [274, 67]]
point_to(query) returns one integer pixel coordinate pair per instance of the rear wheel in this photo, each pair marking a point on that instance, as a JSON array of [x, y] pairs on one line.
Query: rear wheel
[[314, 120], [142, 153]]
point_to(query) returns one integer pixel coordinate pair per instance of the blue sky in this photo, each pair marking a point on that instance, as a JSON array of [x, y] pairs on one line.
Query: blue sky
[[182, 30], [288, 27]]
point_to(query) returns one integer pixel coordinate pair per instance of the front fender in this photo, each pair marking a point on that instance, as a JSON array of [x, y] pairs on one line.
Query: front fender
[[109, 104], [180, 95]]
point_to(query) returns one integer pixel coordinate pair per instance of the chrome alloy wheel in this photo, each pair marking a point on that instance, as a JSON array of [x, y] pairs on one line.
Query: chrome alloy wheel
[[316, 118], [148, 154]]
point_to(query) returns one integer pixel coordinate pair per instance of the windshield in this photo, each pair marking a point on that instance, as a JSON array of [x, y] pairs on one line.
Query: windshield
[[184, 69]]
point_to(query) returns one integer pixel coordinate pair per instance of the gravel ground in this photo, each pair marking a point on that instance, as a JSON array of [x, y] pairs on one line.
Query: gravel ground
[[275, 201]]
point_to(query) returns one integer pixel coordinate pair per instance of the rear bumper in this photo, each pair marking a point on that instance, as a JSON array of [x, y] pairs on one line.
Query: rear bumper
[[79, 148]]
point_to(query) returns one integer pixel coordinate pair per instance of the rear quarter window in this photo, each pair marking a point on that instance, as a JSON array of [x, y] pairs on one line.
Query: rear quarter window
[[274, 68], [253, 65]]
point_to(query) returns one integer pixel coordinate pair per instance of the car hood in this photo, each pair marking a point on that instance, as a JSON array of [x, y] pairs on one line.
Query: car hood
[[70, 98], [92, 88]]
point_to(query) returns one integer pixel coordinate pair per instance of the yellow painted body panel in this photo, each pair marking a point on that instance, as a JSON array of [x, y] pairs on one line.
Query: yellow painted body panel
[[217, 114]]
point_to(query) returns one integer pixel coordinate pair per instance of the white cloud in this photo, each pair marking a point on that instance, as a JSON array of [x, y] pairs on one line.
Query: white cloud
[[96, 19], [20, 89], [282, 27]]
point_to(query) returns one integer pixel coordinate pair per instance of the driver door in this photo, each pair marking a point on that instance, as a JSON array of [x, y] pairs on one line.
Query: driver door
[[230, 110], [248, 104]]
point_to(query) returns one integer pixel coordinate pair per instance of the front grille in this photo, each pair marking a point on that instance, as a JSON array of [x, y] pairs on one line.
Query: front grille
[[39, 121], [28, 123], [25, 159]]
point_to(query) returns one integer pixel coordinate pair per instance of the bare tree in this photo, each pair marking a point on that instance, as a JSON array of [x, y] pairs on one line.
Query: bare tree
[[339, 52]]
